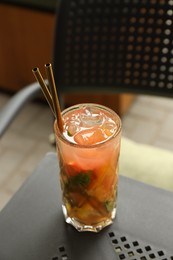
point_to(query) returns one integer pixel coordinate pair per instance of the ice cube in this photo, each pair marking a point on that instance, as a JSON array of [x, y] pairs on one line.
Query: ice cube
[[72, 128], [90, 117], [109, 127]]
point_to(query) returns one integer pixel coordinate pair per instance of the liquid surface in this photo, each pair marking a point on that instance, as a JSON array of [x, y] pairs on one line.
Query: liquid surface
[[88, 125]]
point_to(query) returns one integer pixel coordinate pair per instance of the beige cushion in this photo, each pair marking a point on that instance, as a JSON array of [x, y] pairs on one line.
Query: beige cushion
[[147, 164]]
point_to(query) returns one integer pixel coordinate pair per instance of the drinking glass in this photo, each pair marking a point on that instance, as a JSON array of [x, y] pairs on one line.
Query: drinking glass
[[88, 153]]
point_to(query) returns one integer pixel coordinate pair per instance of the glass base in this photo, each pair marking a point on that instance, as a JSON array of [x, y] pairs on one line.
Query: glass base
[[83, 227]]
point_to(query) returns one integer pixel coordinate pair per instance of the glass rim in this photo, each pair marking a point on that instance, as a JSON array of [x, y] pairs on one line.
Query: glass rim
[[66, 110]]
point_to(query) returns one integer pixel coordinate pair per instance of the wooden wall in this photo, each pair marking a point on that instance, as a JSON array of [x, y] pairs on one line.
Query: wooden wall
[[26, 42]]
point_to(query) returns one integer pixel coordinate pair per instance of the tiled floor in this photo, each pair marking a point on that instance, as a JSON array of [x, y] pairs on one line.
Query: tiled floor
[[149, 120]]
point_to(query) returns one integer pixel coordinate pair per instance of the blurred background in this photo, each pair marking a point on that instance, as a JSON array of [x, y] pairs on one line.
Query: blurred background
[[27, 28]]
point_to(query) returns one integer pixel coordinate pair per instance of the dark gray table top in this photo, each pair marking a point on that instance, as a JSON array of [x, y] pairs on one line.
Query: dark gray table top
[[32, 226]]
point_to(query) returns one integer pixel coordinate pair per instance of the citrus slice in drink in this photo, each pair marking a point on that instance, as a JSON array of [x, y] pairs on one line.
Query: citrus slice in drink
[[91, 136]]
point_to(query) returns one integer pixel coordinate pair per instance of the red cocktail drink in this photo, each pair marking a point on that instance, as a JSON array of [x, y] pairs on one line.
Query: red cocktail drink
[[88, 152]]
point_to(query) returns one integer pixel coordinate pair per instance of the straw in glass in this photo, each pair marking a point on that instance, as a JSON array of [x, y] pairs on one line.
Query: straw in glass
[[52, 98], [44, 88], [55, 99]]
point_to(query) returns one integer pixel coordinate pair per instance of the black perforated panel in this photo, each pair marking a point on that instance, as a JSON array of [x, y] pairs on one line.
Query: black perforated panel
[[61, 254], [125, 247], [125, 43]]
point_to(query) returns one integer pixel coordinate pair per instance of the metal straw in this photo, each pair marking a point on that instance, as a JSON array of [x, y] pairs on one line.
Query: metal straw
[[52, 98], [55, 99], [44, 88]]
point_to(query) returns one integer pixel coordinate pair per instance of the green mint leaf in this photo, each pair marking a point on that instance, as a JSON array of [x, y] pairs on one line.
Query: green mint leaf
[[78, 182], [69, 134], [109, 204], [82, 179]]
